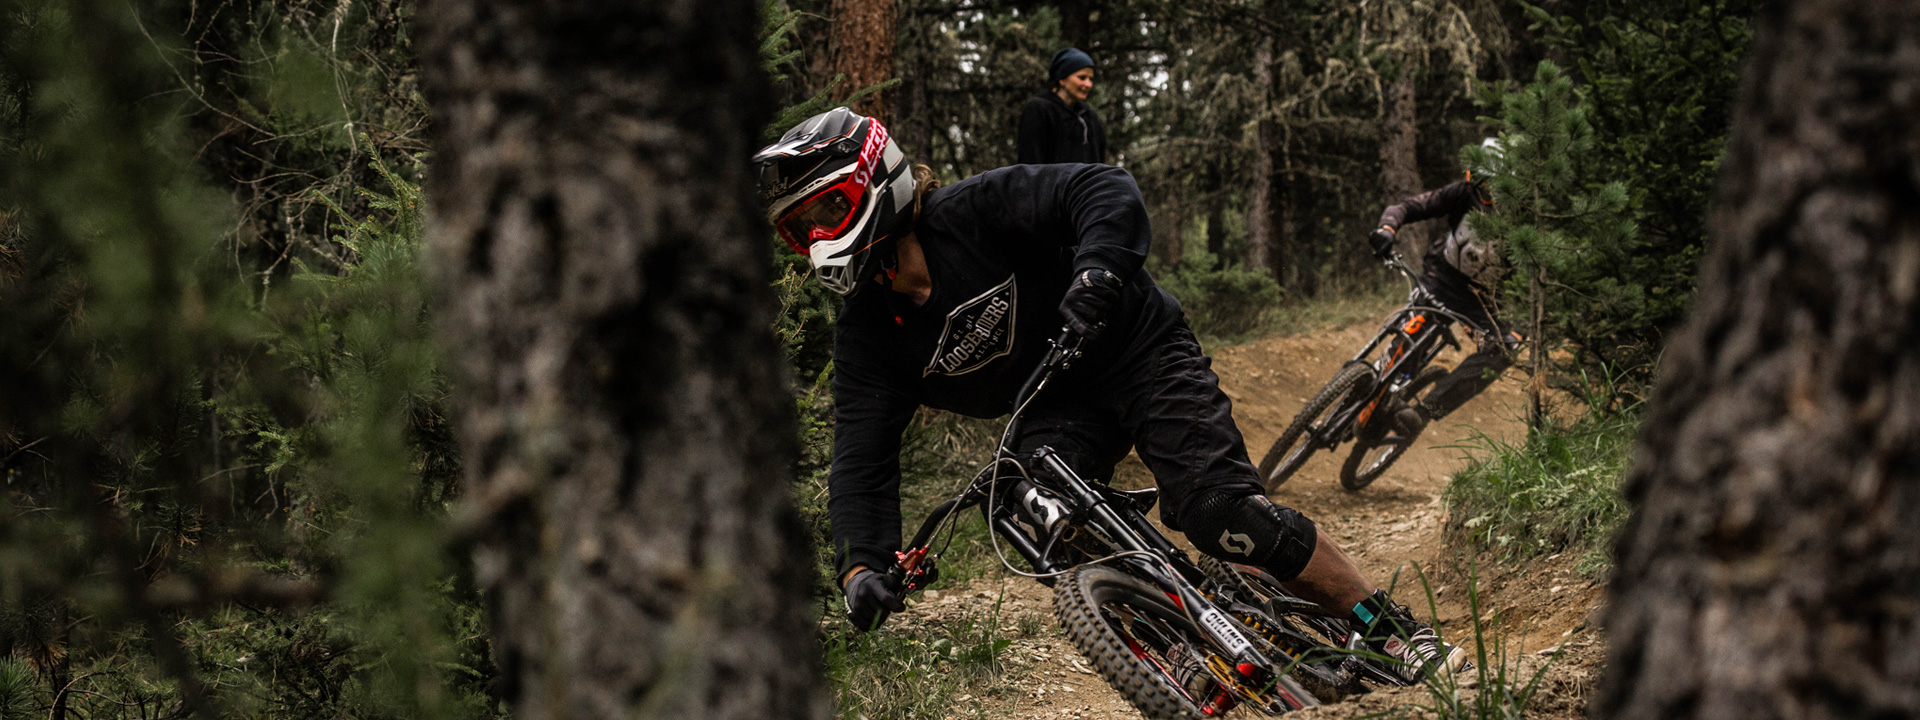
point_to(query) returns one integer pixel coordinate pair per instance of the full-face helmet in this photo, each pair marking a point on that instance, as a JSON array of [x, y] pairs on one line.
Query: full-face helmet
[[839, 191], [1493, 154]]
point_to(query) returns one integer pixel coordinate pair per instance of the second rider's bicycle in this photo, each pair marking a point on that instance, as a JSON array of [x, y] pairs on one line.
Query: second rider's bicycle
[[1360, 402]]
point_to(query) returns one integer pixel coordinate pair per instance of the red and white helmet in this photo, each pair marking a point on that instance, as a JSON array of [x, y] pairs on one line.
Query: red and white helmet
[[839, 191]]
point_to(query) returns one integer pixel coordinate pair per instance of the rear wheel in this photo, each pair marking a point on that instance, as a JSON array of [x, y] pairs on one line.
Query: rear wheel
[[1296, 443], [1144, 645], [1374, 452], [1315, 657]]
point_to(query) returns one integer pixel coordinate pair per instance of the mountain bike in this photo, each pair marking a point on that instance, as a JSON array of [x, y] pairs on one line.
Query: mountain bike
[[1178, 639], [1359, 403]]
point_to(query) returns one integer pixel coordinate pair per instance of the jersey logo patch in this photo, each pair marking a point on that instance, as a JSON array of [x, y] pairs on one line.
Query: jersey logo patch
[[977, 332]]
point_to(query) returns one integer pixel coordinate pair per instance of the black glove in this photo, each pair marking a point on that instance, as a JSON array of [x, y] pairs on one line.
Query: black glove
[[1089, 296], [870, 599], [1382, 241]]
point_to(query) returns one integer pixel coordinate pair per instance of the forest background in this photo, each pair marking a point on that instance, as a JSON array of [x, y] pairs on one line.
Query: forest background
[[231, 486]]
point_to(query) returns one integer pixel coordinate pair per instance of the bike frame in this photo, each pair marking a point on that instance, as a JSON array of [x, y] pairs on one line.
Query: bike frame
[[1115, 517], [1420, 340]]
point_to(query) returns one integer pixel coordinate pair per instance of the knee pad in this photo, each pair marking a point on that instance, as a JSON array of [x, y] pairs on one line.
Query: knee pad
[[1248, 528]]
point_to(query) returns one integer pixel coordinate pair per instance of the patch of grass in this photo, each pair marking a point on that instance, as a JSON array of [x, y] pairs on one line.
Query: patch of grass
[[1558, 491], [1359, 303], [915, 666], [1232, 304], [921, 670], [1349, 305], [1500, 690]]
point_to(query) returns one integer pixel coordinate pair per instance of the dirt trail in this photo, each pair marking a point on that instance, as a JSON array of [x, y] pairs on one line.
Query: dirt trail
[[1393, 526]]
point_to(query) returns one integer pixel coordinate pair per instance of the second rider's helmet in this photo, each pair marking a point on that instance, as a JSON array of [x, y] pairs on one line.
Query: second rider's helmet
[[839, 191]]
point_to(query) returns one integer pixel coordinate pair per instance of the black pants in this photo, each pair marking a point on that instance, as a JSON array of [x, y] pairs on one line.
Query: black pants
[[1492, 354], [1171, 410]]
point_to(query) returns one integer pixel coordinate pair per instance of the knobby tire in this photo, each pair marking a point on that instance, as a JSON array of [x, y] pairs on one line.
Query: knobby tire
[[1078, 600], [1360, 470], [1294, 446]]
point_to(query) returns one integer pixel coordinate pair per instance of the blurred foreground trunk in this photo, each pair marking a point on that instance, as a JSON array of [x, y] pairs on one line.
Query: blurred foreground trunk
[[605, 301], [1772, 562]]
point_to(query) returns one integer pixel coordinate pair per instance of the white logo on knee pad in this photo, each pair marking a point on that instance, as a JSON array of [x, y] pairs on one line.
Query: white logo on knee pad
[[1238, 543]]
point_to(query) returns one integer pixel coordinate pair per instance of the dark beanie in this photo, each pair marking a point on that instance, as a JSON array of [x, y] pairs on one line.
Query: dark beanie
[[1067, 62]]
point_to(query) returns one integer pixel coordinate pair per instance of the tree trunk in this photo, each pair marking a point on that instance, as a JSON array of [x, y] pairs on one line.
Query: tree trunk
[[913, 126], [605, 303], [860, 44], [1291, 260], [1175, 245], [60, 670], [1260, 233], [1537, 352], [1771, 565], [1217, 234], [1076, 21], [1399, 156]]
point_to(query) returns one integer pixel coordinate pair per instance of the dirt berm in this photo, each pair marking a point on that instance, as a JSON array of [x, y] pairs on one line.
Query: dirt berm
[[1394, 526]]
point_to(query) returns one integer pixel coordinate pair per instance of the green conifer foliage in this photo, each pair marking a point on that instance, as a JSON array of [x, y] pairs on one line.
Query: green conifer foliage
[[218, 500], [1564, 234], [1660, 79]]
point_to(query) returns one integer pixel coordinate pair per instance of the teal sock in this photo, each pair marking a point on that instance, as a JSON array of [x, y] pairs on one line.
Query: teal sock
[[1371, 610]]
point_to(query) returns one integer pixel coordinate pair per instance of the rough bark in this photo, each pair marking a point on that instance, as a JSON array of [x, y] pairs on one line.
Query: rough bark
[[1270, 234], [605, 303], [914, 128], [1772, 561], [860, 45], [1217, 233], [1260, 233], [1291, 258], [1399, 155], [1077, 18], [1173, 246]]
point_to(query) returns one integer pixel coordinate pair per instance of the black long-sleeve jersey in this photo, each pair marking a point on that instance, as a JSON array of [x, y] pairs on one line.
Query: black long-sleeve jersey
[[1001, 248], [1461, 248]]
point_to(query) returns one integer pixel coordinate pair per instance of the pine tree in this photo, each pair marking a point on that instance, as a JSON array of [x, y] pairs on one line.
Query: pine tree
[[1561, 232]]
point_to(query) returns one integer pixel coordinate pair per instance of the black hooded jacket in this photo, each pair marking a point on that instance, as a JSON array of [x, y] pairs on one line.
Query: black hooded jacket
[[1051, 132], [1000, 247]]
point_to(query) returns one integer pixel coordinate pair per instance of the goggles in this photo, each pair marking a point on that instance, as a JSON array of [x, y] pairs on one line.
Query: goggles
[[821, 217]]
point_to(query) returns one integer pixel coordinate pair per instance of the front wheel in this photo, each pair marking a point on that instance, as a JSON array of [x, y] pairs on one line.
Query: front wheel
[[1375, 452], [1296, 444]]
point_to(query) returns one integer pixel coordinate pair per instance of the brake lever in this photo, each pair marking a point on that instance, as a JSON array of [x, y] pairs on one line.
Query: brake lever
[[1065, 349], [912, 570]]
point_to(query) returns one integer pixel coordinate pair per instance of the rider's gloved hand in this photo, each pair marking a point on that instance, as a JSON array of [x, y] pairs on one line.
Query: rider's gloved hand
[[1382, 241], [1089, 297], [870, 599]]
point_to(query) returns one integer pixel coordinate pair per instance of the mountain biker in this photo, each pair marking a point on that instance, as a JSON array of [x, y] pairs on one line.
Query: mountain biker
[[952, 295], [1462, 272]]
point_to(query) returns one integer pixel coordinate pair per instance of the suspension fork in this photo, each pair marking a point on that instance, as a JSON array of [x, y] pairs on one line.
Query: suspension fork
[[1421, 345]]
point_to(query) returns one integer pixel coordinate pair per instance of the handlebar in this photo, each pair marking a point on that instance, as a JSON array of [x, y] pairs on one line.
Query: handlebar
[[915, 568], [1061, 352]]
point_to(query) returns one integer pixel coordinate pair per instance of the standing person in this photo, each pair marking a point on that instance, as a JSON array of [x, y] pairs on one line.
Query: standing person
[[952, 295], [1462, 273], [1057, 125]]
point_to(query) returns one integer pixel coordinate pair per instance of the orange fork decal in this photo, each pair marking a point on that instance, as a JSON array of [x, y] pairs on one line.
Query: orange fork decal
[[1367, 413], [1414, 324]]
